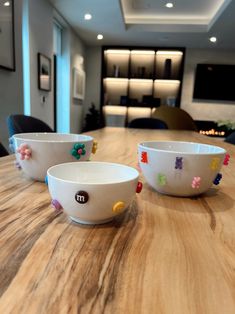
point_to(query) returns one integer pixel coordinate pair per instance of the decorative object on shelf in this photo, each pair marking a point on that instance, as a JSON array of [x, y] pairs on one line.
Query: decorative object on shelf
[[133, 102], [156, 102], [167, 69], [151, 101], [92, 119], [141, 72], [171, 101], [124, 100], [7, 42], [116, 70], [147, 100], [79, 79], [44, 72]]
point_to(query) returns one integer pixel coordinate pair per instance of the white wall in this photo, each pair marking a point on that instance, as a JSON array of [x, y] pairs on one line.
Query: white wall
[[93, 77], [40, 40], [77, 106], [205, 110], [11, 83]]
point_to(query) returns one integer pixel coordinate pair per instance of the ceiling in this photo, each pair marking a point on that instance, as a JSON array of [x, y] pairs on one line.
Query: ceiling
[[189, 23]]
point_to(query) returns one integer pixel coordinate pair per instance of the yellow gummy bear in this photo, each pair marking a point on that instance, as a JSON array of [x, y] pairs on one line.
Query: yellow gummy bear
[[94, 147]]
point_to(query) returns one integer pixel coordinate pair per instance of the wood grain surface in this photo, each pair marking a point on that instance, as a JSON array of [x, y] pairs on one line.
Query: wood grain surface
[[164, 255]]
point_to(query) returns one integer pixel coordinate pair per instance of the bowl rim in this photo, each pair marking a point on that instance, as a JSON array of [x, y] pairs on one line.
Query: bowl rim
[[23, 136], [222, 150], [80, 163]]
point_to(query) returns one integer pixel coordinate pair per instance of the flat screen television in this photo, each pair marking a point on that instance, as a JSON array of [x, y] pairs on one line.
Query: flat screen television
[[215, 82]]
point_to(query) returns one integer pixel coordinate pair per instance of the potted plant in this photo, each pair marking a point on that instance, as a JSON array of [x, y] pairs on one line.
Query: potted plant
[[92, 119], [227, 126]]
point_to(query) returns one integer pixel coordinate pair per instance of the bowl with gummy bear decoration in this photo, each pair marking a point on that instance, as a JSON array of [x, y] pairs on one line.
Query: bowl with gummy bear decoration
[[181, 168]]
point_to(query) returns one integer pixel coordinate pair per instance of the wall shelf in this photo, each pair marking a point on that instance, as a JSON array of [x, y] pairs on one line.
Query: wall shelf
[[139, 77]]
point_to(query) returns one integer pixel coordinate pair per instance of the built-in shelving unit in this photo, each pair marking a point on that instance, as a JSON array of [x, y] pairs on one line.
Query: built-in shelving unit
[[135, 77]]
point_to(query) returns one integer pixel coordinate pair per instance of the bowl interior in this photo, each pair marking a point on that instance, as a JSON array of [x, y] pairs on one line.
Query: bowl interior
[[52, 137], [93, 172], [182, 147]]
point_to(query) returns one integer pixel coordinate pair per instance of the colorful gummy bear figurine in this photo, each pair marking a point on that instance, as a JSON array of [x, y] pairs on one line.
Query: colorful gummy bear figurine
[[217, 179]]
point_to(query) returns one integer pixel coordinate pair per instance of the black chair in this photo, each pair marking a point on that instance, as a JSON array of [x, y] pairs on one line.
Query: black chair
[[230, 138], [19, 123], [3, 151], [147, 123]]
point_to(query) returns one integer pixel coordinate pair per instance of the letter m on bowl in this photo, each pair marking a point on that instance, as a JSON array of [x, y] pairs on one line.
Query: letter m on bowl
[[80, 198]]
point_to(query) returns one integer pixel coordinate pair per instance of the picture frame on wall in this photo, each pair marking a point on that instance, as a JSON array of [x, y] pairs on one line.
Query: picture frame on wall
[[7, 40], [79, 80], [44, 72]]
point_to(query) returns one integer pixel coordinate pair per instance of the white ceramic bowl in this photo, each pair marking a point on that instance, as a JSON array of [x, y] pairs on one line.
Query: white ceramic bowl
[[36, 152], [92, 192], [180, 168]]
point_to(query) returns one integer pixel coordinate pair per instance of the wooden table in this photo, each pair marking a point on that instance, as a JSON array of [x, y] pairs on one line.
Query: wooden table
[[164, 255]]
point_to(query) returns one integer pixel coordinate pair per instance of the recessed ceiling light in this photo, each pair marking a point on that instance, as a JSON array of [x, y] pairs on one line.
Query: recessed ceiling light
[[7, 4], [169, 5], [100, 36], [87, 16], [213, 39]]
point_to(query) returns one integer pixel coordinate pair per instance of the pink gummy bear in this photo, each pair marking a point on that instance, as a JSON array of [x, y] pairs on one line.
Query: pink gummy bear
[[196, 182]]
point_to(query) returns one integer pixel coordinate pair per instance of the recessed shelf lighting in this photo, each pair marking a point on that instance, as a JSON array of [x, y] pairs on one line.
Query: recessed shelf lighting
[[169, 5], [213, 39], [142, 52], [113, 51], [176, 82], [87, 16], [166, 52], [100, 36], [116, 80], [141, 81], [7, 4]]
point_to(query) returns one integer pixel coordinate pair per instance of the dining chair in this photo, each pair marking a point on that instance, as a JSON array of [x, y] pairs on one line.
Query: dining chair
[[147, 123], [230, 138], [175, 118], [19, 123], [3, 151]]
